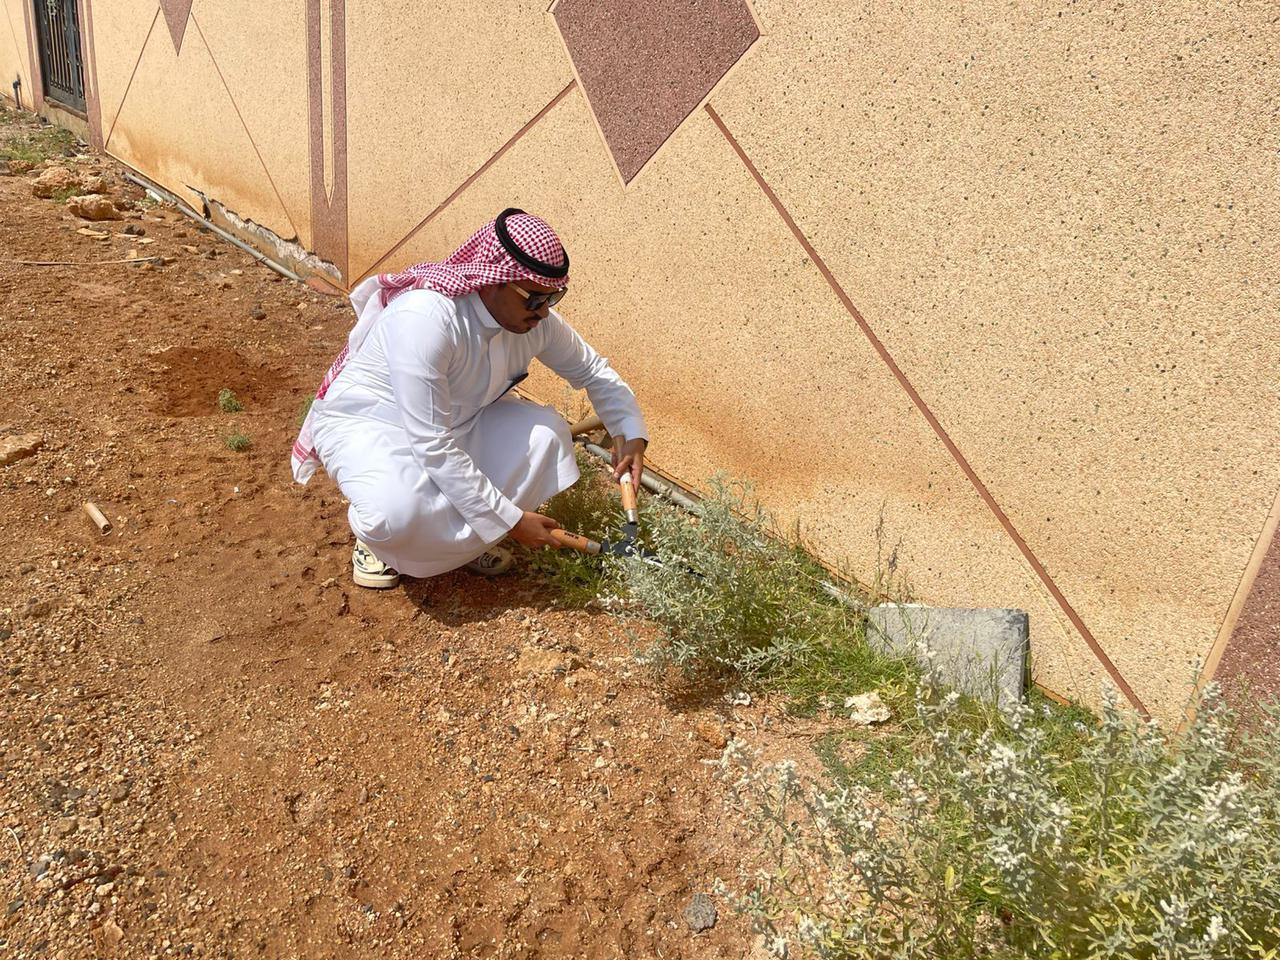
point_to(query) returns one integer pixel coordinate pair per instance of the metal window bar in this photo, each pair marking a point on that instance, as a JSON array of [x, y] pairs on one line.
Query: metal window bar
[[58, 30]]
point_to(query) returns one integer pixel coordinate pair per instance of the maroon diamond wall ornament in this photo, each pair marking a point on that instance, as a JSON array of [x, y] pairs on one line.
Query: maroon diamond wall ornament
[[176, 13], [644, 67]]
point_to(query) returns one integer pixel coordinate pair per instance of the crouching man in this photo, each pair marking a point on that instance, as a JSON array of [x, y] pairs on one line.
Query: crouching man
[[415, 421]]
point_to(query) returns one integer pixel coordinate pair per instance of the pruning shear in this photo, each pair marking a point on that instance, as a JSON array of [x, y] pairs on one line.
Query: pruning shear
[[624, 547]]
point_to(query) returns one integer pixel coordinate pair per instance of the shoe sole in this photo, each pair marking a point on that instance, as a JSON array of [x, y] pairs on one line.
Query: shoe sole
[[375, 581]]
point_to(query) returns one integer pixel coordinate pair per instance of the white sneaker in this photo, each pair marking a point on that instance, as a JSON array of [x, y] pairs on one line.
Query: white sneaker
[[368, 571], [492, 563]]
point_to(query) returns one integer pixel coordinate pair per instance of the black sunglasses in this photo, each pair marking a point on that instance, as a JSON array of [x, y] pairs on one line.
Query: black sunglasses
[[536, 301]]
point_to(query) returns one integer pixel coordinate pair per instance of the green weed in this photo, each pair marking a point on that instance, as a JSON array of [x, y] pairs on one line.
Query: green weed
[[238, 442], [227, 401]]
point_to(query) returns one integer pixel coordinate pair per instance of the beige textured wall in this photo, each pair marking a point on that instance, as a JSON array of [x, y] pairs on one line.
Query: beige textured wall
[[14, 59], [225, 115], [1064, 228], [431, 99], [1059, 219]]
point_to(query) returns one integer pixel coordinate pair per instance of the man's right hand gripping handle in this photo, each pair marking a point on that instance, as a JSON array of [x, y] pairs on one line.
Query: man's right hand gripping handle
[[534, 530]]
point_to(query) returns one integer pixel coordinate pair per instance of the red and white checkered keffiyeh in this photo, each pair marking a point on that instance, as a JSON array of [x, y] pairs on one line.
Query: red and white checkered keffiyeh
[[482, 261]]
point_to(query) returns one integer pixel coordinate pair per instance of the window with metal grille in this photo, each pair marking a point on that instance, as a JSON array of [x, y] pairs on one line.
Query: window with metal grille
[[58, 30]]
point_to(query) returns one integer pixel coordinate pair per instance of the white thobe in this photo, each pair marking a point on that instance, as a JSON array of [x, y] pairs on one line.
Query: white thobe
[[419, 431]]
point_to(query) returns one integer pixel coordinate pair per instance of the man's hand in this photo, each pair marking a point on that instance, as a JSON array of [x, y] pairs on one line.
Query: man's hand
[[533, 530], [628, 455]]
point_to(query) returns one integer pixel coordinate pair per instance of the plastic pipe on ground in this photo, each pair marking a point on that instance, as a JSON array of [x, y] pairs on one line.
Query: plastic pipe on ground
[[162, 194]]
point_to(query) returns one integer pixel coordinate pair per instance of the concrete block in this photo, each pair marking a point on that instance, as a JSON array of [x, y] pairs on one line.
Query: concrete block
[[983, 653]]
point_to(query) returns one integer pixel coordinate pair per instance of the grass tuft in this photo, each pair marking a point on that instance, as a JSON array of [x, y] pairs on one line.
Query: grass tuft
[[227, 401], [238, 442]]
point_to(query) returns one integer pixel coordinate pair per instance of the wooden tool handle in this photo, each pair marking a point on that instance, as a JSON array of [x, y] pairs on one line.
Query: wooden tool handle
[[628, 492], [574, 542], [586, 425]]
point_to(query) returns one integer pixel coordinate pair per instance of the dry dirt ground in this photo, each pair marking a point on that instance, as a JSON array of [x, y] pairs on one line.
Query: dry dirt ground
[[211, 744]]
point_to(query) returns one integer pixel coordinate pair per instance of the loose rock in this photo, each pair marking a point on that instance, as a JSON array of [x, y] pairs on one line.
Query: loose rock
[[112, 934], [866, 709], [94, 206], [13, 449], [54, 180], [712, 733], [538, 660], [37, 610], [700, 914]]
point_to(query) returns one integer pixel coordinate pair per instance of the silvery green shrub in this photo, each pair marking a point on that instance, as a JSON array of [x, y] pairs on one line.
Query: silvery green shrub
[[731, 597], [1132, 845]]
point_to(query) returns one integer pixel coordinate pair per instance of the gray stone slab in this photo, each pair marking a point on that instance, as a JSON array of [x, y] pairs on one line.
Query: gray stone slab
[[983, 653]]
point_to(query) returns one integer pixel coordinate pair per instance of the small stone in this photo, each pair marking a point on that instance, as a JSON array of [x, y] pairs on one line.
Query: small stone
[[36, 610], [26, 568], [94, 206], [96, 184], [39, 868], [104, 889], [866, 709], [66, 826], [538, 660], [112, 933], [120, 791], [700, 914], [713, 733], [257, 313], [13, 449], [134, 230]]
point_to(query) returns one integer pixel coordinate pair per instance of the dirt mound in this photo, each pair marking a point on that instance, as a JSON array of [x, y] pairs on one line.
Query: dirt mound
[[188, 382]]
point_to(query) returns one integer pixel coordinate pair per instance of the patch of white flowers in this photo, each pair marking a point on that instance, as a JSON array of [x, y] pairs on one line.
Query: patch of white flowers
[[1129, 845]]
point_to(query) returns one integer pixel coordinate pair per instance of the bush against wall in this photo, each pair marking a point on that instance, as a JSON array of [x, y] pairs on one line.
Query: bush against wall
[[994, 843]]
